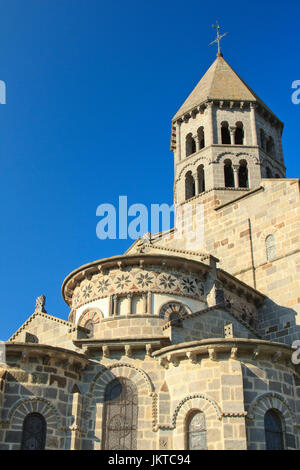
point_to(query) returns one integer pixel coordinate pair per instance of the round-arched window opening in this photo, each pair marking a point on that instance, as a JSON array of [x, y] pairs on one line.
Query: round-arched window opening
[[239, 134], [243, 174], [228, 174], [273, 430], [190, 187], [225, 133], [34, 432], [196, 431]]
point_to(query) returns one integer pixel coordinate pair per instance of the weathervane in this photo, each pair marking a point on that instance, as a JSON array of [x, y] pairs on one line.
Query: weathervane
[[219, 37]]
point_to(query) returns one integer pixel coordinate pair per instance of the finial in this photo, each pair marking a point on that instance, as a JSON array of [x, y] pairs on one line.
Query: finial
[[40, 304], [218, 38]]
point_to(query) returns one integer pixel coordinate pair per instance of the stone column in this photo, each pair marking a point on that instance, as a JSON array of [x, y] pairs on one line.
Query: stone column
[[197, 186], [196, 138], [232, 132], [129, 298], [144, 303], [253, 124], [236, 175], [149, 303], [110, 306], [115, 305]]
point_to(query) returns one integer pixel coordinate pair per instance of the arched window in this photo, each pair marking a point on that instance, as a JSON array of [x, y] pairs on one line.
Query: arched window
[[171, 308], [239, 134], [189, 185], [201, 138], [269, 173], [273, 430], [190, 145], [34, 432], [196, 431], [228, 174], [201, 179], [262, 139], [243, 174], [270, 247], [270, 145], [225, 134], [120, 415]]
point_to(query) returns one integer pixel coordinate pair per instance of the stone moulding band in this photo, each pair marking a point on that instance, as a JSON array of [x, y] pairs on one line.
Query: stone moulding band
[[256, 349]]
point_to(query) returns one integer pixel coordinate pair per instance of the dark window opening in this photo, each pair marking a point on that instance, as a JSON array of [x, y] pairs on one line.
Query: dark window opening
[[34, 432], [201, 179], [201, 138], [273, 430], [239, 134], [228, 174], [243, 175], [190, 145], [225, 134], [189, 186]]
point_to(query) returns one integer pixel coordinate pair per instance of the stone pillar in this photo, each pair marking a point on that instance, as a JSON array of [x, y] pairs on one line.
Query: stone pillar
[[197, 140], [144, 303], [196, 179], [76, 425], [232, 132], [178, 140], [236, 175], [232, 403], [211, 135], [149, 303], [110, 306], [253, 124], [115, 305], [129, 298]]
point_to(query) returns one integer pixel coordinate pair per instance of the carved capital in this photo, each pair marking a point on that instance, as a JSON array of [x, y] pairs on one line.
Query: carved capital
[[174, 360], [233, 353], [255, 353], [192, 357], [105, 351], [128, 350], [212, 354], [163, 361]]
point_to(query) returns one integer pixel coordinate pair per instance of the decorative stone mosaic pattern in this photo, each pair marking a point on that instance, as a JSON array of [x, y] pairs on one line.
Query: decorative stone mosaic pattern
[[137, 280]]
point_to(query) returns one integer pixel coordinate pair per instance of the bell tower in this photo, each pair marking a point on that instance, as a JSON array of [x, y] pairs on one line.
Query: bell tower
[[224, 138]]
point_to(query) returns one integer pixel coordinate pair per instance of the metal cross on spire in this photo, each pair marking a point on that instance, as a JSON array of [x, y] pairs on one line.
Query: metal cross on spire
[[219, 37]]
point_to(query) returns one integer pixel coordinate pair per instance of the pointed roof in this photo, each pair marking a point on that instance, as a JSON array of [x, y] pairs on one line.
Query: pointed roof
[[220, 82]]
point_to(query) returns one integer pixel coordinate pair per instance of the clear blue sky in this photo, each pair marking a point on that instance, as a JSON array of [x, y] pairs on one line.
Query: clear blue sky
[[92, 86]]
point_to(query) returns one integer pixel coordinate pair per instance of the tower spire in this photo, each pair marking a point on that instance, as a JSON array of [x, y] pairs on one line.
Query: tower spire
[[218, 38]]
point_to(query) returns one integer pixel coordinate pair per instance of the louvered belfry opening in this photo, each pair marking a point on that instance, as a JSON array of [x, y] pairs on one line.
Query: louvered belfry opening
[[120, 415]]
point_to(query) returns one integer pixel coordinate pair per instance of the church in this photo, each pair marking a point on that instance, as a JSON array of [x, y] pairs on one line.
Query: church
[[167, 347]]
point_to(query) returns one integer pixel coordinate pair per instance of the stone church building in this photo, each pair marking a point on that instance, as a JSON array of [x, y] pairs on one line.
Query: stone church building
[[168, 347]]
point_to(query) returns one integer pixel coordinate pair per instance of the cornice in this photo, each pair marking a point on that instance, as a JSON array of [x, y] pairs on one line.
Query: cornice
[[235, 348]]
